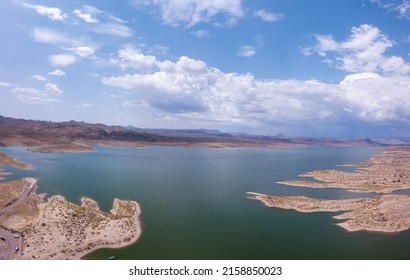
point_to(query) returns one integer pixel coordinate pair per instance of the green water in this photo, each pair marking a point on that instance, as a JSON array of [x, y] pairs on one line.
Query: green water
[[195, 206]]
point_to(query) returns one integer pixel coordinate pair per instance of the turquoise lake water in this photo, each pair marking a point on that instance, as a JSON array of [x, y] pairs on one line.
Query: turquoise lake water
[[194, 201]]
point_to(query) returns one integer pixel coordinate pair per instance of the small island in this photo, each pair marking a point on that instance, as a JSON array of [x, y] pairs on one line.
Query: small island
[[53, 228], [383, 173]]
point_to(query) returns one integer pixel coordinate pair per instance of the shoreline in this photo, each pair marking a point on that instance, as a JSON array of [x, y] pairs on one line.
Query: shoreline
[[386, 213], [58, 145], [55, 228], [89, 147], [137, 220], [62, 230], [6, 160], [383, 173]]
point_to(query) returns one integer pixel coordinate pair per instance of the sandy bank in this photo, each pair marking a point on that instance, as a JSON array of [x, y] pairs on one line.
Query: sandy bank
[[67, 231], [64, 148], [386, 213], [383, 173], [6, 160], [58, 229]]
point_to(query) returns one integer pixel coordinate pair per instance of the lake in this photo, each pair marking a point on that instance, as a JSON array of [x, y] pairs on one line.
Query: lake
[[195, 206]]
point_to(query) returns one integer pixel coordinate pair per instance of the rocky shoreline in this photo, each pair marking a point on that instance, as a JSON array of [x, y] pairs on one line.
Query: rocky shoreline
[[383, 173], [54, 228]]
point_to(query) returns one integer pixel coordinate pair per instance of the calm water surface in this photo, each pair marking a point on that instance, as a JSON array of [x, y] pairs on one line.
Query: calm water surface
[[195, 206]]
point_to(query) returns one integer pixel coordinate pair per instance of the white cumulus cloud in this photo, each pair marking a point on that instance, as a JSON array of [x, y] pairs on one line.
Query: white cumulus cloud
[[189, 90], [83, 51], [57, 72], [52, 88], [363, 51], [132, 58], [61, 59], [375, 98]]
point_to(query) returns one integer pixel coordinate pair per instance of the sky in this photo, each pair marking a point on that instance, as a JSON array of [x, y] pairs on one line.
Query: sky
[[317, 68]]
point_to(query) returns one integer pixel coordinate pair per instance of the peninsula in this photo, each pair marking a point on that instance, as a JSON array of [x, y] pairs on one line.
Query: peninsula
[[383, 173], [54, 228], [6, 160]]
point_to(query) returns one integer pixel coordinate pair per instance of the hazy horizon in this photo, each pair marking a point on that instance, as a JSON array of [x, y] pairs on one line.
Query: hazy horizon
[[314, 68]]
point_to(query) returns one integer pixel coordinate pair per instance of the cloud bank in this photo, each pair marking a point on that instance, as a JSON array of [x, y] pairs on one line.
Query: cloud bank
[[189, 89]]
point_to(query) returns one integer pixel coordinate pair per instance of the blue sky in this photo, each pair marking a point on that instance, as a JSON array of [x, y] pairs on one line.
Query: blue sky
[[315, 68]]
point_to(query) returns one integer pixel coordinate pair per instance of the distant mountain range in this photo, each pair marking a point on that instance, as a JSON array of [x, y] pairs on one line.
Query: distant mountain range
[[79, 136]]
